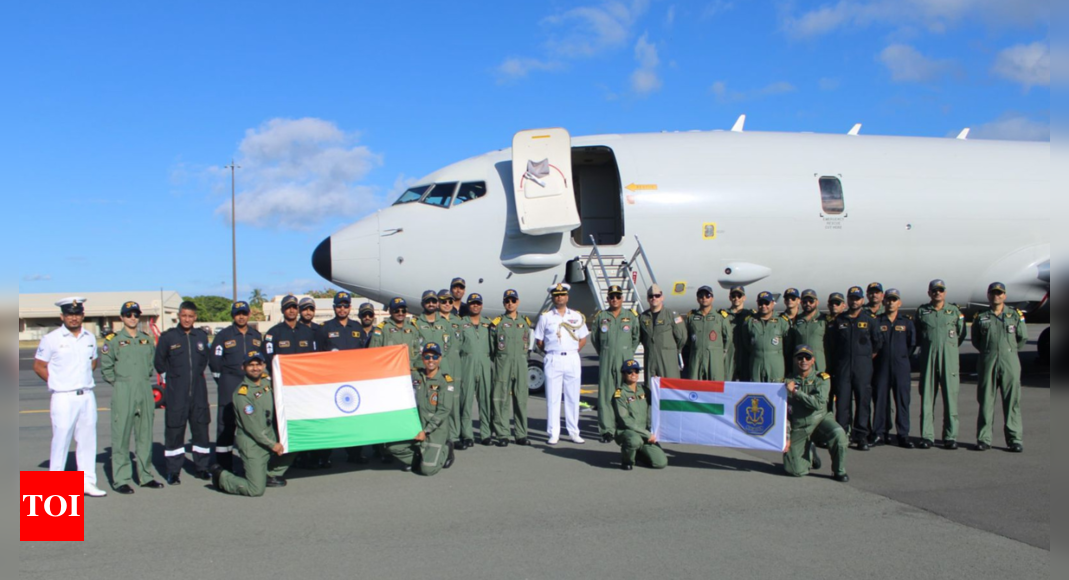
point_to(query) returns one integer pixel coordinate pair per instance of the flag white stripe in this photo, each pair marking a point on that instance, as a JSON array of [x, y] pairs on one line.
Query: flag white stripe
[[376, 396]]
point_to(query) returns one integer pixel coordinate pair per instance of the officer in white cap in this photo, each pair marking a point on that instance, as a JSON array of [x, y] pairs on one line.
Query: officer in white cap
[[562, 333], [66, 359]]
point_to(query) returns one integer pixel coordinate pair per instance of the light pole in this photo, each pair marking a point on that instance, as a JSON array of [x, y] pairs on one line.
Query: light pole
[[234, 224]]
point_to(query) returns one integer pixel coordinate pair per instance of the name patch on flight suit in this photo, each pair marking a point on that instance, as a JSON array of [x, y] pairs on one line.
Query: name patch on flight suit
[[862, 325], [284, 344], [144, 341], [303, 344], [123, 343], [883, 329], [255, 342], [230, 343], [900, 329], [176, 346]]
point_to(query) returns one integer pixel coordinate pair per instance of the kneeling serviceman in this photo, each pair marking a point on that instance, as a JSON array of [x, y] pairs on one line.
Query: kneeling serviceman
[[435, 397], [808, 393], [631, 405]]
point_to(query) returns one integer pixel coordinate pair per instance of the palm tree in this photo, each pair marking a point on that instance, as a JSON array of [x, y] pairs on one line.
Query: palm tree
[[257, 298]]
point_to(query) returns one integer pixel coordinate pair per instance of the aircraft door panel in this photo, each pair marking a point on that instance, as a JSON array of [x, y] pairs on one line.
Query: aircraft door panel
[[542, 182]]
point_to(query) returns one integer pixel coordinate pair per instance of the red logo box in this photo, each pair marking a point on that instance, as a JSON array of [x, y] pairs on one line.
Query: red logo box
[[52, 506]]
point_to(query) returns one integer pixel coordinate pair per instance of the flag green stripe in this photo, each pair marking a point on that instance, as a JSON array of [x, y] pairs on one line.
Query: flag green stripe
[[336, 433], [691, 407]]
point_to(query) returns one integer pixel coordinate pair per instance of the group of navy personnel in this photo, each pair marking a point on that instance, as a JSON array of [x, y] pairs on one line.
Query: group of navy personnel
[[833, 365]]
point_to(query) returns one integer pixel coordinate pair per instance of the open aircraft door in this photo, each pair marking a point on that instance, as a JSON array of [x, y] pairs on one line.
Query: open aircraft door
[[542, 182]]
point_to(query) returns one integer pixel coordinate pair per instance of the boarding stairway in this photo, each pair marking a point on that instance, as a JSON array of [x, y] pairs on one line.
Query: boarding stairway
[[633, 275]]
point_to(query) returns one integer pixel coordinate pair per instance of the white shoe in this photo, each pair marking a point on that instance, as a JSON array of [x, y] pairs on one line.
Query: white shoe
[[578, 440], [553, 440], [94, 491]]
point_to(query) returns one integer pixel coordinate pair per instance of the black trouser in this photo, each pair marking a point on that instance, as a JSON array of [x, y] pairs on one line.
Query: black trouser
[[853, 397], [225, 423], [892, 378], [177, 416]]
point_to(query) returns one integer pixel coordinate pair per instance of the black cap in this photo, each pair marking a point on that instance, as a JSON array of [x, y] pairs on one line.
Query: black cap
[[240, 307], [855, 292], [444, 294], [809, 293], [129, 308], [836, 297], [706, 289], [792, 293], [803, 349], [738, 290], [892, 293], [937, 285], [398, 303], [615, 289], [307, 303], [433, 348], [875, 287], [343, 299], [253, 356], [457, 282], [475, 298], [996, 287], [288, 301], [766, 297], [631, 365], [366, 307], [511, 294], [427, 295]]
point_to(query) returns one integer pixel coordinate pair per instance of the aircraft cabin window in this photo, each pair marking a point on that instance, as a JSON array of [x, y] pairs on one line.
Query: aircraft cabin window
[[469, 191], [441, 195], [412, 195], [831, 195]]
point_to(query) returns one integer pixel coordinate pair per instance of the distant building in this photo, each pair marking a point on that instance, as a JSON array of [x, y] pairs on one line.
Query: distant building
[[39, 315]]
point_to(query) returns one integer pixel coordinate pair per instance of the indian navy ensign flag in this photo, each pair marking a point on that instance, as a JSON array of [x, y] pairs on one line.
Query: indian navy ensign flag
[[719, 414], [331, 400]]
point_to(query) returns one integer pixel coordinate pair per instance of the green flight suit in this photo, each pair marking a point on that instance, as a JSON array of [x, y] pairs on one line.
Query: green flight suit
[[709, 336], [940, 335], [662, 343], [809, 331], [764, 349], [127, 364], [615, 338], [632, 410], [435, 332], [254, 411], [435, 399], [810, 420], [476, 374], [999, 338], [736, 357], [510, 338], [454, 326], [388, 333]]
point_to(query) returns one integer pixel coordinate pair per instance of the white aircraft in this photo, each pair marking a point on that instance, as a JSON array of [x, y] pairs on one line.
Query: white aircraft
[[763, 210]]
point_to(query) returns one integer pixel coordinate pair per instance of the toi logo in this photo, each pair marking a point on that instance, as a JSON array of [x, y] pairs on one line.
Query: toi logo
[[52, 506]]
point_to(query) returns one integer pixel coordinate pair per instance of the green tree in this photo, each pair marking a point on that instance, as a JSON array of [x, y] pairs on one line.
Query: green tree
[[324, 293], [256, 299], [211, 308]]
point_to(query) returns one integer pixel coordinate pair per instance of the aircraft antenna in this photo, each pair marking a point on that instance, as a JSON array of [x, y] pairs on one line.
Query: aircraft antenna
[[739, 124], [964, 134], [855, 130]]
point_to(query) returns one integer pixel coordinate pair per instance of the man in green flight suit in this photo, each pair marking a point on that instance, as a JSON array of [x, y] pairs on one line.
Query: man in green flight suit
[[940, 333], [710, 334], [738, 314], [453, 325], [999, 333], [396, 331], [765, 335], [809, 328], [807, 394], [616, 337], [435, 397], [264, 457], [126, 359], [664, 334], [631, 406], [476, 371], [430, 327], [510, 336]]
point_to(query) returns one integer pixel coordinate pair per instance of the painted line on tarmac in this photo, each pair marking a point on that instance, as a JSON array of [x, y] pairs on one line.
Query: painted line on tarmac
[[40, 411]]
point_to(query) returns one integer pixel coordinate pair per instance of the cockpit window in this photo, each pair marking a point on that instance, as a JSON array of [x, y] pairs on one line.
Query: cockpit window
[[470, 191], [441, 195], [412, 195]]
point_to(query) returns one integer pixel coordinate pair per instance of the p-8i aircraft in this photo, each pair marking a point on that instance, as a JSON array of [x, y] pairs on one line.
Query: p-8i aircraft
[[723, 208]]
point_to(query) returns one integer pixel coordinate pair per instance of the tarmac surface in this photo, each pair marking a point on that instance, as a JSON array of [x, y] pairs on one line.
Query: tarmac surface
[[569, 512]]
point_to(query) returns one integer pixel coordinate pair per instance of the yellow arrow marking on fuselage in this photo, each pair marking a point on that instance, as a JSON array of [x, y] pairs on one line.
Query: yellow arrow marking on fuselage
[[642, 187]]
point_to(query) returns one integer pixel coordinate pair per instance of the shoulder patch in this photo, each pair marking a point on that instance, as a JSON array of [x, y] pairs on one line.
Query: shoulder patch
[[448, 379], [529, 323], [496, 321], [619, 393], [825, 376], [110, 336], [634, 311], [724, 313], [243, 391]]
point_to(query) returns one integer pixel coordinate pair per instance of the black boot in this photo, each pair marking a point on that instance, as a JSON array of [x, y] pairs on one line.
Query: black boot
[[814, 458], [451, 458]]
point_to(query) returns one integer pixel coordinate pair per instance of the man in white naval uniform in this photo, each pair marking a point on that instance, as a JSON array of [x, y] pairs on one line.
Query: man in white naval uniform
[[66, 359], [561, 333]]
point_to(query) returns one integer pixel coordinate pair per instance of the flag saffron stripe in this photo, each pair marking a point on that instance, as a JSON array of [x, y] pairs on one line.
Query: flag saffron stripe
[[689, 407], [344, 366], [685, 385]]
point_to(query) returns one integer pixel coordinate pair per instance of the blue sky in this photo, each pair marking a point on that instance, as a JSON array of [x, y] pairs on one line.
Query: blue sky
[[121, 116]]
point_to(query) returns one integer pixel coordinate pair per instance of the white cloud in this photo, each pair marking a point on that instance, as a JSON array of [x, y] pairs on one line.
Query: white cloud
[[400, 185], [36, 278], [297, 172], [715, 8], [1012, 127], [645, 79], [828, 84], [1027, 64], [907, 64], [670, 16], [579, 33], [936, 16], [723, 94]]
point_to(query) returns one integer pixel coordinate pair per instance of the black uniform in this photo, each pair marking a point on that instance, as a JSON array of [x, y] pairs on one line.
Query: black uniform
[[892, 375], [853, 342], [334, 336], [228, 355], [183, 357], [461, 310], [282, 339]]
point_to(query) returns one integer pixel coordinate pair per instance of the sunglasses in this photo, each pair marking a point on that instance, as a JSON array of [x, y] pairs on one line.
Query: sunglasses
[[809, 300], [704, 296], [615, 297], [737, 296], [791, 298], [804, 357], [511, 300], [401, 310], [367, 315], [937, 291], [890, 299], [431, 357], [836, 303], [763, 303], [133, 315], [657, 296], [435, 301], [631, 372], [447, 301]]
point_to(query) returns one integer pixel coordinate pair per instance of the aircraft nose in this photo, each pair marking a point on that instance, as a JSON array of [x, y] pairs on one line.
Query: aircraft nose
[[321, 260]]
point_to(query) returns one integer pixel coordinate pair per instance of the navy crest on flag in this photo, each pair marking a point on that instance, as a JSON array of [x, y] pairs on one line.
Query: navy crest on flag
[[755, 415]]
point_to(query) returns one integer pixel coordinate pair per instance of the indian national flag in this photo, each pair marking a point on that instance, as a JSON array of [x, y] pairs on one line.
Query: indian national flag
[[720, 414], [331, 400]]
